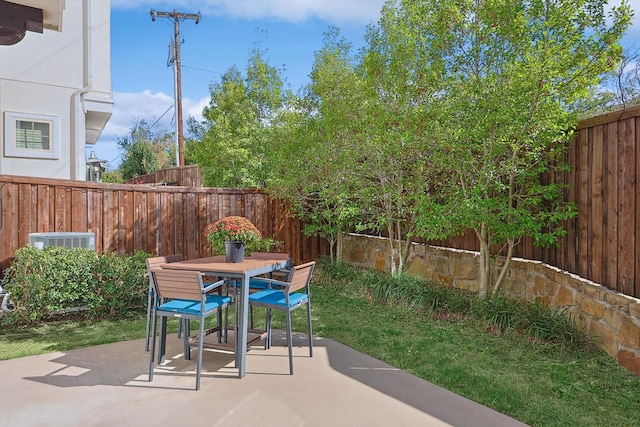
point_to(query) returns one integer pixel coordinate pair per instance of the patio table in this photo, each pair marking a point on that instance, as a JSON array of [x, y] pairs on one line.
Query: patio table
[[243, 271]]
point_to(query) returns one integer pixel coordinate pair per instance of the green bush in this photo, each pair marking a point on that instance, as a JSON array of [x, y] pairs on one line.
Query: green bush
[[56, 280], [501, 313], [553, 324]]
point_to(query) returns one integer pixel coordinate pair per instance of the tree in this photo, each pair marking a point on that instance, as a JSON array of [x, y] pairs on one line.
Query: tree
[[314, 149], [233, 144], [499, 82], [399, 130], [624, 82], [113, 176], [145, 150]]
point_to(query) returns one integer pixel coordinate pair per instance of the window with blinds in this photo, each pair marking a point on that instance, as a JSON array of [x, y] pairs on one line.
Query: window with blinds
[[31, 135]]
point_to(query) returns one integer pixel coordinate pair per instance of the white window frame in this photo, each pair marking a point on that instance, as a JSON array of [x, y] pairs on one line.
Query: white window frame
[[10, 144]]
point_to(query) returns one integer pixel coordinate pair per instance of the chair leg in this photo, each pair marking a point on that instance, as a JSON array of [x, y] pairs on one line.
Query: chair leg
[[187, 334], [200, 348], [163, 342], [236, 312], [226, 323], [309, 329], [289, 341], [268, 328], [220, 325], [149, 308], [153, 346]]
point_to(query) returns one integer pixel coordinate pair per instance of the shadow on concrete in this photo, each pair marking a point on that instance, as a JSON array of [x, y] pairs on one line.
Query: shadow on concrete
[[338, 386]]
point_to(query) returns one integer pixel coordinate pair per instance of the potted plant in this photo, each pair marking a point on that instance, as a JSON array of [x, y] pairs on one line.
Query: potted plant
[[233, 235]]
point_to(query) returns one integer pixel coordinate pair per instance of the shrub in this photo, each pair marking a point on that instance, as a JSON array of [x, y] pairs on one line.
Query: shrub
[[415, 292], [336, 271], [554, 325], [499, 313], [56, 280]]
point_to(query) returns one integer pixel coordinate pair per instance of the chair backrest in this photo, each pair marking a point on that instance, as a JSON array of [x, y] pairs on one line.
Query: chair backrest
[[300, 276], [178, 284], [270, 255], [275, 256], [156, 262]]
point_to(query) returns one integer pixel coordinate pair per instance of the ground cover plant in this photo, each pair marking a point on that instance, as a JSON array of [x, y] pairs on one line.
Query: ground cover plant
[[485, 352]]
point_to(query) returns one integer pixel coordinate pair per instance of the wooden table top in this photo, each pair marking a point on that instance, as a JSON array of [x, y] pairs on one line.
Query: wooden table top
[[218, 264]]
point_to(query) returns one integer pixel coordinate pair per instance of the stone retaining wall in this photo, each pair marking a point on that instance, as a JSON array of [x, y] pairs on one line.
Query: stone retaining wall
[[611, 319]]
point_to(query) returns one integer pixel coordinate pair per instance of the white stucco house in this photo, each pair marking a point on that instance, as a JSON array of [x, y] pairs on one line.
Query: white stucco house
[[55, 85]]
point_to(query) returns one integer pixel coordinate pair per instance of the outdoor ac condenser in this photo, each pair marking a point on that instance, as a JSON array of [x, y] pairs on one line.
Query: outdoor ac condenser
[[68, 240]]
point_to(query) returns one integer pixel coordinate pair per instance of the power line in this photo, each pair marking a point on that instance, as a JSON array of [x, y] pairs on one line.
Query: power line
[[202, 69], [160, 118]]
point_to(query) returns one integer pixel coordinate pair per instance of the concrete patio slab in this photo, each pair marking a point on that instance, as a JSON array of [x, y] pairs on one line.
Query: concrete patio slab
[[108, 386]]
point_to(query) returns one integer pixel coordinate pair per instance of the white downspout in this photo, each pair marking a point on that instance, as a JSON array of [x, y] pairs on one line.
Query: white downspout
[[79, 164]]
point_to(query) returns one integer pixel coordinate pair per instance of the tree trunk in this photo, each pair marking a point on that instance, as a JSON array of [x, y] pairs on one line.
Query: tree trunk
[[392, 246], [485, 261], [401, 251], [332, 244], [405, 253], [511, 244]]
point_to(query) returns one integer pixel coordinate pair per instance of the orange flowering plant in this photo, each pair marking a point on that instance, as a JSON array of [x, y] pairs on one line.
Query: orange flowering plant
[[234, 229]]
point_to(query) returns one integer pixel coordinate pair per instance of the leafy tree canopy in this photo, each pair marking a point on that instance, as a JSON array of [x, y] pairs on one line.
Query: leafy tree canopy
[[145, 150], [499, 81], [232, 144]]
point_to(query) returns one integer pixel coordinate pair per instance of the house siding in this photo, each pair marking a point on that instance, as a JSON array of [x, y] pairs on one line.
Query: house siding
[[51, 74]]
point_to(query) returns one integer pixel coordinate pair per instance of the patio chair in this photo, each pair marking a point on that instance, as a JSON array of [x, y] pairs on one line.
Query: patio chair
[[182, 294], [285, 295], [153, 263], [255, 284]]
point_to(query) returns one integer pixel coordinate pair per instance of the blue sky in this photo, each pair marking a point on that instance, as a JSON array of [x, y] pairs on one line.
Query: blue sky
[[289, 31]]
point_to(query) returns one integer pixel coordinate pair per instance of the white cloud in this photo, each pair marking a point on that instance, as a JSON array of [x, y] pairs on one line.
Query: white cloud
[[130, 107], [155, 108], [191, 108], [333, 11]]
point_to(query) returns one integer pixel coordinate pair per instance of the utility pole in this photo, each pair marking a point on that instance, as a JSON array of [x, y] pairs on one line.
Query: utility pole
[[177, 17]]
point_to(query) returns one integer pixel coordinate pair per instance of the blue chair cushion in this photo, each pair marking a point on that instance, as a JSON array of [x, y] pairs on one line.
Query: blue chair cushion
[[192, 307], [257, 284], [274, 297], [254, 283]]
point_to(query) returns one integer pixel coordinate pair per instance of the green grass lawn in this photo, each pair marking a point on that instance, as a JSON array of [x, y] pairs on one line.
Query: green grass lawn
[[538, 384]]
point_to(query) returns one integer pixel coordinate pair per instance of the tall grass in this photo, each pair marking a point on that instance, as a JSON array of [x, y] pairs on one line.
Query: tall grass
[[499, 313]]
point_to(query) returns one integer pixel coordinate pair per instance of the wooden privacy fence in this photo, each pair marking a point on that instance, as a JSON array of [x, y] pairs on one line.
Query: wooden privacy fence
[[187, 176], [603, 242], [159, 220]]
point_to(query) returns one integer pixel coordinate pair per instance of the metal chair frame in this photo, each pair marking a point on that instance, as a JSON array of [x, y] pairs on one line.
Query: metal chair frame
[[255, 284], [156, 262], [284, 295], [183, 294]]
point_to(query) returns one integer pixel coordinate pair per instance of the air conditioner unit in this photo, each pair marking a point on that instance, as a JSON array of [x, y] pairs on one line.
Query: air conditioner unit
[[68, 240]]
